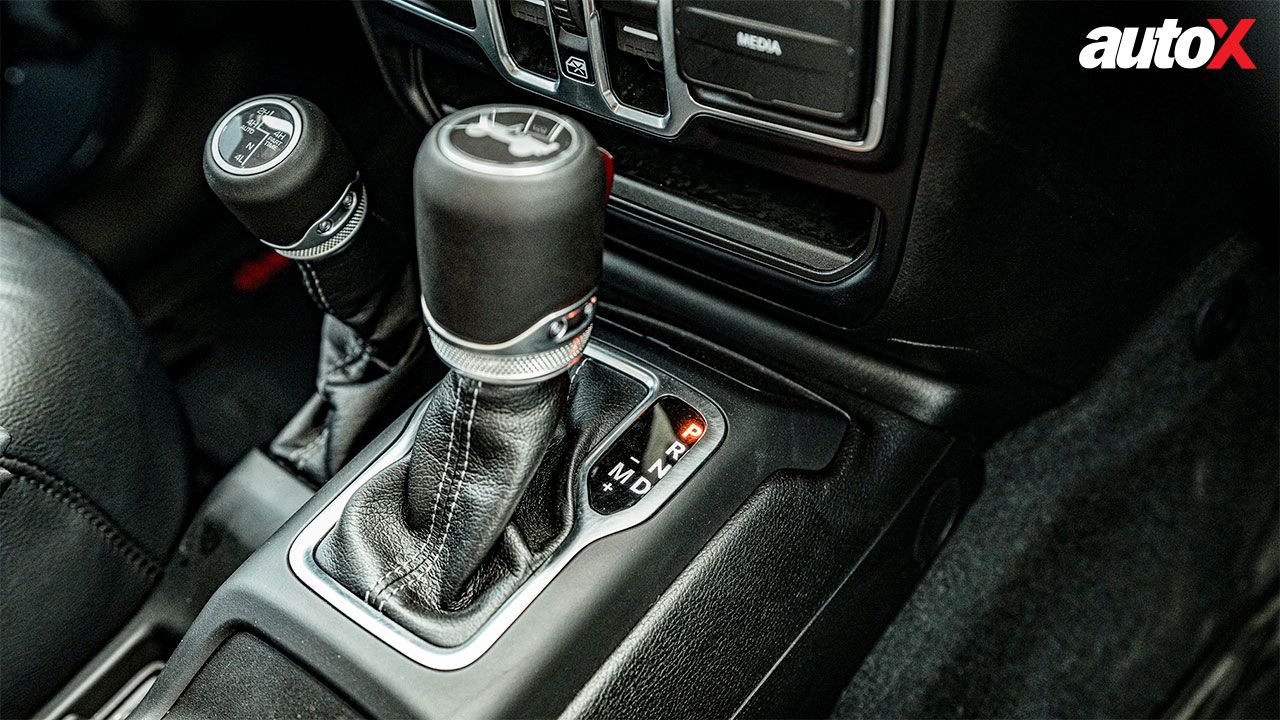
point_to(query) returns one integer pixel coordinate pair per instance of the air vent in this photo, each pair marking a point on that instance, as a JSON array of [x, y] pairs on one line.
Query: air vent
[[569, 16], [533, 11], [458, 12], [528, 36], [633, 51]]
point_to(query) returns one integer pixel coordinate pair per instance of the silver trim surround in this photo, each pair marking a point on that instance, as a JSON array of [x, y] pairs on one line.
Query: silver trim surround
[[588, 525], [547, 348], [600, 99], [511, 369], [537, 338], [344, 222], [275, 100]]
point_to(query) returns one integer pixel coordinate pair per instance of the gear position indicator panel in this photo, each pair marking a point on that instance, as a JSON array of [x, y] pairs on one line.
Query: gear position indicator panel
[[644, 454]]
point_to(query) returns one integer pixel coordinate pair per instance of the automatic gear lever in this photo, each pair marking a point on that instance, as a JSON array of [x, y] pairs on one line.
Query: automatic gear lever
[[278, 164], [509, 204]]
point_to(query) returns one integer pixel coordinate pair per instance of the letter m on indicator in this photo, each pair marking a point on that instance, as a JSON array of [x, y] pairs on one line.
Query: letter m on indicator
[[621, 473]]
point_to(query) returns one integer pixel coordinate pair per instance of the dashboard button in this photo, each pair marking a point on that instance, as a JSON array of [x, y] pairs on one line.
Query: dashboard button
[[576, 67], [801, 56]]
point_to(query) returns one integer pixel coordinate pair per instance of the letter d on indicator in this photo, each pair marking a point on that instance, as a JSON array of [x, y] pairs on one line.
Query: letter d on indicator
[[641, 486]]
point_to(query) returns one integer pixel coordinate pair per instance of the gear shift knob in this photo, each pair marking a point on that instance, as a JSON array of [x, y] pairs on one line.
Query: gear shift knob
[[509, 204], [279, 166]]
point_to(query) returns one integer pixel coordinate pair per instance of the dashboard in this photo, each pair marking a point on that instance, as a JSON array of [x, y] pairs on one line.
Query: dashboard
[[762, 153], [653, 66], [893, 178]]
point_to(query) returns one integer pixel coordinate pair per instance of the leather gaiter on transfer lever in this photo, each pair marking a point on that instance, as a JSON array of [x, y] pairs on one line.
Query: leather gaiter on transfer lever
[[278, 164], [510, 219]]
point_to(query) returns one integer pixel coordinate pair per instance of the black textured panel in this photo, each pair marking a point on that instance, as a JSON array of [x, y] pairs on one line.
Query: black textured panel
[[248, 678], [1118, 537], [718, 631], [1057, 205]]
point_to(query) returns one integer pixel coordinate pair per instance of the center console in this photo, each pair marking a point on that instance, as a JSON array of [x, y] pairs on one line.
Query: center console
[[699, 593], [590, 506]]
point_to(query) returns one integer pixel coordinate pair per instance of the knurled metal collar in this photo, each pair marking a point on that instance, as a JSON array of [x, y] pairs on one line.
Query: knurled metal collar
[[549, 347], [512, 369]]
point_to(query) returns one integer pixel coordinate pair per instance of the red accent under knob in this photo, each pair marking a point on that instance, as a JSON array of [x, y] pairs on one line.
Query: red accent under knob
[[608, 172]]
